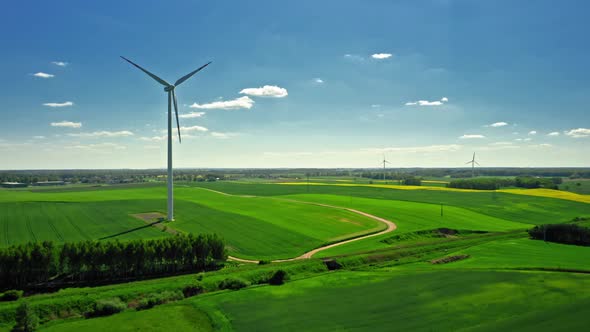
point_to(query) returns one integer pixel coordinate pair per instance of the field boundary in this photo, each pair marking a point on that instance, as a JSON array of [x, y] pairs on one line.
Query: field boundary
[[390, 227]]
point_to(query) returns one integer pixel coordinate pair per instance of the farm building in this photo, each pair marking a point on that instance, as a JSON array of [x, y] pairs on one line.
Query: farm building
[[49, 183], [13, 185]]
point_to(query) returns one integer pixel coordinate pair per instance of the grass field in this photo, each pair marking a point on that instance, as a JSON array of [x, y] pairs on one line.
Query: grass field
[[387, 282], [441, 300], [411, 301], [262, 228], [578, 186]]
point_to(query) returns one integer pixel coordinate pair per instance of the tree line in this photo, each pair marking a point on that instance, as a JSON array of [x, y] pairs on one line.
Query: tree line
[[38, 263], [528, 182], [562, 233]]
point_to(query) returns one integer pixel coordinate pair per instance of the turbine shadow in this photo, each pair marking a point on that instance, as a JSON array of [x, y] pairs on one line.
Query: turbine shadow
[[132, 230]]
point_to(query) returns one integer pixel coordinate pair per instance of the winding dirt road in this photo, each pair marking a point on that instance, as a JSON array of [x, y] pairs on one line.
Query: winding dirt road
[[390, 228]]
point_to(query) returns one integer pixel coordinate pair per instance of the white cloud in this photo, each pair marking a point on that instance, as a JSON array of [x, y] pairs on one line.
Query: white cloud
[[528, 139], [99, 146], [428, 148], [122, 133], [153, 139], [533, 132], [553, 133], [375, 106], [191, 115], [38, 137], [239, 103], [578, 133], [193, 128], [498, 124], [68, 124], [318, 80], [43, 75], [287, 154], [354, 57], [381, 56], [471, 136], [500, 143], [266, 91], [60, 63], [543, 145], [428, 103], [64, 104], [223, 135]]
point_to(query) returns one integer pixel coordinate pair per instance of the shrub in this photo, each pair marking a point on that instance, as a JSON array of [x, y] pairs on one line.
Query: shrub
[[278, 278], [11, 295], [332, 264], [155, 299], [263, 262], [192, 290], [107, 307], [232, 283], [26, 318]]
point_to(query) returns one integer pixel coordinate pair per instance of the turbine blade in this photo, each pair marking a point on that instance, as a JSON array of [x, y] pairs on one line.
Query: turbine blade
[[469, 162], [387, 161], [176, 112], [159, 80], [477, 163], [187, 76]]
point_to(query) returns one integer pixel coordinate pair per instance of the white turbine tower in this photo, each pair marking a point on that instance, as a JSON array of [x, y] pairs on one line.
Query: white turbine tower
[[169, 88], [473, 162]]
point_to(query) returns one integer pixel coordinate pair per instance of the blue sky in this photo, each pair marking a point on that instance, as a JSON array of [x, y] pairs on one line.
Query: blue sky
[[424, 82]]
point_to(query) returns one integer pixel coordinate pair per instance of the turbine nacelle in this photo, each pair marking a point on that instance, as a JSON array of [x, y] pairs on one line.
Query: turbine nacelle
[[169, 88]]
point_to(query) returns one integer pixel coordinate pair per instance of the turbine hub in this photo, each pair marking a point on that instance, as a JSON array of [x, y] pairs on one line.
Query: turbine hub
[[169, 88]]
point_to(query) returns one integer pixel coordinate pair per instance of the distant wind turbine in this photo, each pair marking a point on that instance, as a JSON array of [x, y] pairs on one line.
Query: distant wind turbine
[[169, 88], [384, 162], [473, 162]]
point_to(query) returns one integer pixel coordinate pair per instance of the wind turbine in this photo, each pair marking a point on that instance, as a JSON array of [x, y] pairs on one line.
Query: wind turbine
[[169, 88], [473, 162], [384, 162]]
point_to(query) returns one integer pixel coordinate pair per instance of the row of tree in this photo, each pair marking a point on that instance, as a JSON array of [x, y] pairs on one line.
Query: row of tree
[[562, 233], [497, 183], [38, 263], [110, 176]]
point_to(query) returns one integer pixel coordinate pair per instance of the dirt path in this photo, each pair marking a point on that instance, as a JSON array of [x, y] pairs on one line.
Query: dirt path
[[390, 228]]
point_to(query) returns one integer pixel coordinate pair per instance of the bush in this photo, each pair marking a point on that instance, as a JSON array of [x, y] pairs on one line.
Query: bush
[[412, 181], [263, 262], [278, 278], [232, 283], [192, 290], [26, 318], [107, 307], [11, 295], [155, 299]]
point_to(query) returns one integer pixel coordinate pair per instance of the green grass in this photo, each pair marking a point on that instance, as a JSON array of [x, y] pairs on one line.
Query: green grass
[[406, 301], [524, 253], [512, 207], [261, 228], [172, 317], [572, 185], [409, 217]]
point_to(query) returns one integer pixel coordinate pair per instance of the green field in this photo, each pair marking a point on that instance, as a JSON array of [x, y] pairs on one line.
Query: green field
[[480, 293], [578, 186], [263, 228], [387, 282]]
